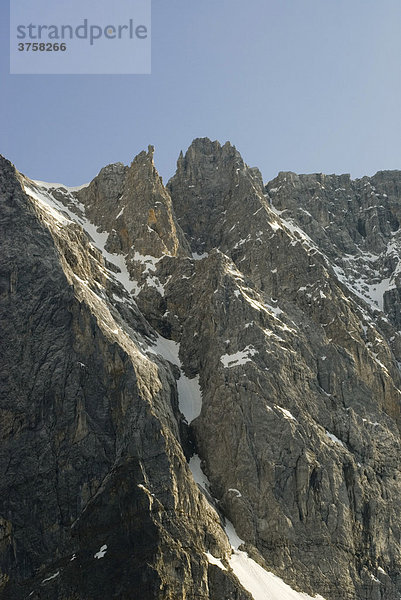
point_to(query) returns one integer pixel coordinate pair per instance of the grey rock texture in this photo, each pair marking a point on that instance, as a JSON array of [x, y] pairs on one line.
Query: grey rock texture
[[90, 451], [281, 300], [132, 204], [307, 427]]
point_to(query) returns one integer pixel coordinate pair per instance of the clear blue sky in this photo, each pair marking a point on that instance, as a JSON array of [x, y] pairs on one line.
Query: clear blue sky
[[301, 85]]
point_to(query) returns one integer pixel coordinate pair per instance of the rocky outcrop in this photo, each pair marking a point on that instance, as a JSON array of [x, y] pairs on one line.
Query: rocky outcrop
[[249, 329], [214, 182], [134, 207]]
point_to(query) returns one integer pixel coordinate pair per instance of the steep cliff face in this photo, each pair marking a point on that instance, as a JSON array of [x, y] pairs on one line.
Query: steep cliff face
[[177, 356], [97, 499], [306, 375]]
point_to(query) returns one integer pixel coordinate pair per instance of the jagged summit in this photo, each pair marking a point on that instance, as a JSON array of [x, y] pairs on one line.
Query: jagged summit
[[208, 146], [208, 155], [212, 181], [200, 384]]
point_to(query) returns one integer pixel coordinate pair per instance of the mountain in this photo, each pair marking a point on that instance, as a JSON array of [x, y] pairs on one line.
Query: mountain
[[200, 384]]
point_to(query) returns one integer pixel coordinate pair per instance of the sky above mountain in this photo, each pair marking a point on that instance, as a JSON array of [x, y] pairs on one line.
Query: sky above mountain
[[300, 85]]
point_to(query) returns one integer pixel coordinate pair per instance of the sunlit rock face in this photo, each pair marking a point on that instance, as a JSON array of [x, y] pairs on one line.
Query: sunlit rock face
[[199, 377]]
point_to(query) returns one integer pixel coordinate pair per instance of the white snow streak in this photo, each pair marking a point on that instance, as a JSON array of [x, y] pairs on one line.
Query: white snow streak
[[260, 583], [238, 358], [286, 413], [215, 561], [334, 439], [51, 577], [189, 392], [101, 552], [197, 473]]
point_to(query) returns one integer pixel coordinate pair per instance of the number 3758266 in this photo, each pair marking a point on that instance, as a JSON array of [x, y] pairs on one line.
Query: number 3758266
[[41, 47]]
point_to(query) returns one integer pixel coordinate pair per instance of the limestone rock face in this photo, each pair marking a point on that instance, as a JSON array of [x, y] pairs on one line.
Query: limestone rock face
[[131, 216], [91, 454], [178, 364], [214, 181], [293, 360], [134, 208]]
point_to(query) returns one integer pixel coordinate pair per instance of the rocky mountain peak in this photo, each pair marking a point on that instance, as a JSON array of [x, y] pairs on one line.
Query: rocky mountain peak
[[205, 157], [213, 183], [133, 205], [143, 167]]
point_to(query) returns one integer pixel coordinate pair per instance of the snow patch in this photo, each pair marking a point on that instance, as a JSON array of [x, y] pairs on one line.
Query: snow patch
[[101, 552], [189, 391], [261, 584], [232, 535], [238, 358], [54, 186], [51, 577], [285, 412], [189, 397], [148, 260], [197, 473], [215, 561], [48, 204], [335, 439]]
